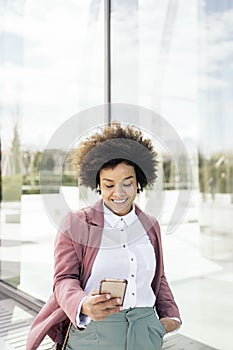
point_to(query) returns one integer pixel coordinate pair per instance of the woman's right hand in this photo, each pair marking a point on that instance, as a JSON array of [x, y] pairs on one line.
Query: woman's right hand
[[98, 306]]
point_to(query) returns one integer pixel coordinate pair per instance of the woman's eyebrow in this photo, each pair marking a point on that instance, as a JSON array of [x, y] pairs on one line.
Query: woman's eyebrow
[[126, 178]]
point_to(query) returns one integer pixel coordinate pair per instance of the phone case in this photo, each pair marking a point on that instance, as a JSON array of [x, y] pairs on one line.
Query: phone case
[[116, 287]]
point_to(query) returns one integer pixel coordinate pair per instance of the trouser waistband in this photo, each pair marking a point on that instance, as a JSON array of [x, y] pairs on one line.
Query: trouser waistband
[[130, 329]]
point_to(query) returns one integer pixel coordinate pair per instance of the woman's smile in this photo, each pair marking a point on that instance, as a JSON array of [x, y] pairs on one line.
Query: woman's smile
[[119, 201]]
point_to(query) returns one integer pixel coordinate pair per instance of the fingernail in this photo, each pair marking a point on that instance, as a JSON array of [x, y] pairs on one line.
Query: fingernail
[[108, 296], [118, 301]]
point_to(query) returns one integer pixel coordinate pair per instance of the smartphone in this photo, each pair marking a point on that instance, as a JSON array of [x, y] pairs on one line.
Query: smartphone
[[114, 286]]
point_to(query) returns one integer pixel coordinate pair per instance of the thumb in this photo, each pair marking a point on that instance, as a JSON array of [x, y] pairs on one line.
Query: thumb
[[94, 292]]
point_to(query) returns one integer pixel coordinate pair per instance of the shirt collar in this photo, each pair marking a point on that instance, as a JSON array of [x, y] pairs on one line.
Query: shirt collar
[[115, 220]]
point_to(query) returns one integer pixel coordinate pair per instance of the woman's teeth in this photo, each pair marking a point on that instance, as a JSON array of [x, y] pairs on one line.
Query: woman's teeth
[[119, 201]]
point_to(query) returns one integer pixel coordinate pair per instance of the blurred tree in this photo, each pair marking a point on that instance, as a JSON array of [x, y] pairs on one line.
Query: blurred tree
[[49, 163], [16, 153]]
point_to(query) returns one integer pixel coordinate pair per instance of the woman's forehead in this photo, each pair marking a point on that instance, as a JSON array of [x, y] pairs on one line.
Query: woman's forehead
[[120, 170]]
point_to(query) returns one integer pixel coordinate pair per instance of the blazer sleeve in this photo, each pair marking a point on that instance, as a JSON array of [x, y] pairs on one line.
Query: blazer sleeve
[[67, 266], [165, 303]]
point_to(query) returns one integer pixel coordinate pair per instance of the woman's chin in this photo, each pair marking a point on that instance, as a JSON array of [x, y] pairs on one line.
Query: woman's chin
[[120, 209]]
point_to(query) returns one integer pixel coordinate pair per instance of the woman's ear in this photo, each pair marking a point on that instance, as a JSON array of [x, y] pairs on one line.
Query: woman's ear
[[98, 190], [139, 189]]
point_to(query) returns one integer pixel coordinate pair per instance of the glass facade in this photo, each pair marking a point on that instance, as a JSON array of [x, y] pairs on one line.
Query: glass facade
[[172, 59], [47, 74]]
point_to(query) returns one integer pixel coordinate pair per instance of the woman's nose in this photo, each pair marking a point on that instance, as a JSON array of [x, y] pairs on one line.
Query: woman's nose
[[118, 189]]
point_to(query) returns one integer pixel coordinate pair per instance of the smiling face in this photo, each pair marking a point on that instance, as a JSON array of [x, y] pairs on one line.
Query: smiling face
[[118, 187]]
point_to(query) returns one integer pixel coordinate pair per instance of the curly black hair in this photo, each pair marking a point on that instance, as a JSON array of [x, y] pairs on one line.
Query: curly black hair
[[112, 145]]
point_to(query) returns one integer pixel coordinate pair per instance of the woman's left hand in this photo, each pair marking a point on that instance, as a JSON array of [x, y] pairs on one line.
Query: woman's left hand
[[169, 324]]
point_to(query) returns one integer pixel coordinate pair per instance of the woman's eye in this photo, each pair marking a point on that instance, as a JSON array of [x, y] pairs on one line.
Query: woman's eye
[[124, 185]]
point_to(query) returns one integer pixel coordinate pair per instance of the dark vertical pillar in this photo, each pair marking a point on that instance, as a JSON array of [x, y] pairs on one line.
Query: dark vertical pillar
[[107, 33]]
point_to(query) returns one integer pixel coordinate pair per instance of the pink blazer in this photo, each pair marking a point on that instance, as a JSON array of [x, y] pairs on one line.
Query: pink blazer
[[75, 250]]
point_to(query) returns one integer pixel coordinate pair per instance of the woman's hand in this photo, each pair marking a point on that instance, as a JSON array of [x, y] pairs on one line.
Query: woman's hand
[[169, 324], [98, 306]]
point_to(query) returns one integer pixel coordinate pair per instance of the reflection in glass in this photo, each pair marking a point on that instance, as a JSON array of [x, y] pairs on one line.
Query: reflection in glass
[[216, 110], [52, 66], [172, 57], [154, 65]]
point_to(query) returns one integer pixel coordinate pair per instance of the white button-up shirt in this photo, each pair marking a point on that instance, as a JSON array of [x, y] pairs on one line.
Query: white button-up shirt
[[125, 252]]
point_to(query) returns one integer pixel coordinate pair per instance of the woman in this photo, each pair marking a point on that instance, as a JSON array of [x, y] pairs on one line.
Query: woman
[[118, 241]]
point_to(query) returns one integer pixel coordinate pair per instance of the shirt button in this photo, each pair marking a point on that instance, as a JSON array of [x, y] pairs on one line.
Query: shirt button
[[131, 259], [123, 245], [133, 293], [132, 275]]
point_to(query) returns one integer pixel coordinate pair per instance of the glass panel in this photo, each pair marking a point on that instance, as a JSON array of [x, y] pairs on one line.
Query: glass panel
[[175, 58], [11, 57], [216, 145], [154, 64], [52, 67]]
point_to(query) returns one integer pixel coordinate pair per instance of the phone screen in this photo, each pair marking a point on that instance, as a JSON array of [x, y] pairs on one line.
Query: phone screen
[[115, 287]]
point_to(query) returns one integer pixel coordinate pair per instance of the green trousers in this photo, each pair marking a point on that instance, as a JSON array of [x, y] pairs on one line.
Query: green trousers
[[131, 329]]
